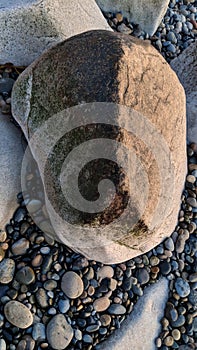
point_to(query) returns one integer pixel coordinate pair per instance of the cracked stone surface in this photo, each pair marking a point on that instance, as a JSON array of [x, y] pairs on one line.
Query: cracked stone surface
[[27, 27], [148, 14], [140, 90], [142, 327]]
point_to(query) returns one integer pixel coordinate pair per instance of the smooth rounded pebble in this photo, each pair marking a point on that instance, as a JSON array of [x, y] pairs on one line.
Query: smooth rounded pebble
[[25, 275], [182, 287], [117, 309], [18, 314], [72, 285], [59, 332], [105, 272], [7, 268], [20, 247], [101, 304]]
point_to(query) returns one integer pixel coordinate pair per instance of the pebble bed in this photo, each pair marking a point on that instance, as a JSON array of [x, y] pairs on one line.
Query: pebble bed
[[176, 32], [47, 289]]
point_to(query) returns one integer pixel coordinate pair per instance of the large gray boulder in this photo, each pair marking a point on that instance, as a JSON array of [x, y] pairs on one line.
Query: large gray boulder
[[12, 148], [143, 326], [148, 14], [186, 69], [110, 151], [27, 27]]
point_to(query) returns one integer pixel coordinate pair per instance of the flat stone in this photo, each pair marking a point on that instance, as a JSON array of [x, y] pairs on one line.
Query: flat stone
[[182, 287], [116, 309], [10, 168], [131, 99], [59, 332], [7, 269], [147, 14], [20, 247], [137, 332], [72, 285], [28, 27], [18, 314]]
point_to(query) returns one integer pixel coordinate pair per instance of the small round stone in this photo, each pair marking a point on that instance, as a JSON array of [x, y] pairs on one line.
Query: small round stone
[[117, 309], [191, 179], [20, 247], [168, 341], [18, 314], [192, 201], [105, 320], [169, 244], [59, 332], [72, 285], [3, 236], [182, 287], [64, 305], [176, 334], [154, 260], [25, 275], [101, 304], [105, 272], [7, 269], [142, 276]]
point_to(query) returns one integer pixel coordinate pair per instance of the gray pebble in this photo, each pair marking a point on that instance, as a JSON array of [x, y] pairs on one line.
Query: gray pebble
[[59, 332], [72, 285], [116, 309], [179, 322], [25, 275], [64, 305], [169, 244], [142, 276], [42, 298], [182, 287], [39, 332]]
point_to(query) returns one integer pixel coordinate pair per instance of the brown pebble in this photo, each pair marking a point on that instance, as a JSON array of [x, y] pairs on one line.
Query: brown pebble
[[105, 320], [37, 261], [101, 304], [119, 17], [176, 334], [169, 341]]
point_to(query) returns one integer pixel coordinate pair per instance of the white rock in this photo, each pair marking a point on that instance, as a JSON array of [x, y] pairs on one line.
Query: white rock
[[11, 154], [143, 325], [148, 14], [27, 27]]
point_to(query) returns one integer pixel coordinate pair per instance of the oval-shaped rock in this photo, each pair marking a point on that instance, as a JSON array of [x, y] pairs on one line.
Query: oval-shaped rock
[[18, 314], [182, 287], [59, 332], [25, 275], [7, 268], [20, 247], [101, 304], [72, 285], [117, 309], [138, 98]]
